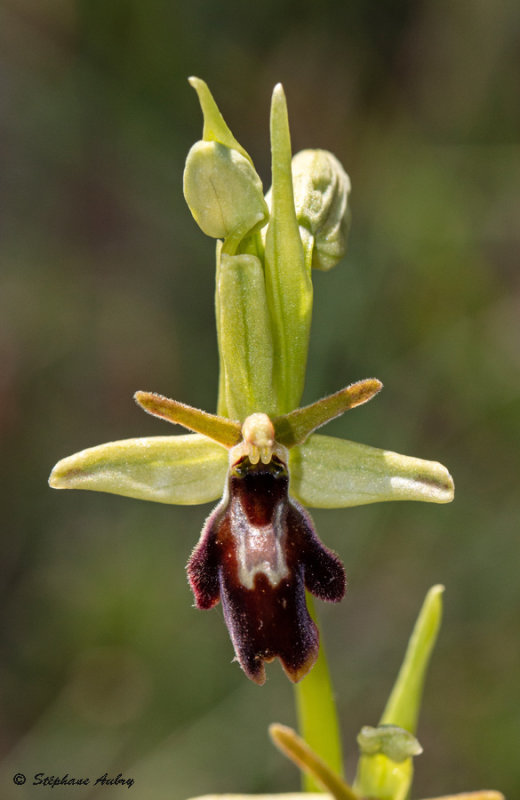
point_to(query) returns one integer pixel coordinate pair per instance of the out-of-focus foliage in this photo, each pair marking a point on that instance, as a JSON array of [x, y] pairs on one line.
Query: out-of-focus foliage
[[106, 286]]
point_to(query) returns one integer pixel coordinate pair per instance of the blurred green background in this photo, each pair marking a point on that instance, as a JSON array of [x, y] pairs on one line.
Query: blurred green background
[[106, 286]]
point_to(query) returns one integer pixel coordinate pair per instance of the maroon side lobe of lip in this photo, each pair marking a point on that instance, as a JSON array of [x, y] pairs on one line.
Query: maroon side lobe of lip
[[257, 553]]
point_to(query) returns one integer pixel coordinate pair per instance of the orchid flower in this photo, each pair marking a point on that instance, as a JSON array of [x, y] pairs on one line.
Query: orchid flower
[[258, 551]]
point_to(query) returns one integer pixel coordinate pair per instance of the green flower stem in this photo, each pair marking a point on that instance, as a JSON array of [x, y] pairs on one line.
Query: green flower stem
[[288, 279], [317, 713], [306, 759]]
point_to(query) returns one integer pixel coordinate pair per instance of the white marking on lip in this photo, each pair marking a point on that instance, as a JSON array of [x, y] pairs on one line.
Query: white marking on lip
[[259, 547]]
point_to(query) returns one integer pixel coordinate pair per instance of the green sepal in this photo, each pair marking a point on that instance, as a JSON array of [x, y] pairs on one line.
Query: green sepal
[[245, 341], [296, 427], [288, 279], [185, 470], [219, 429], [327, 472]]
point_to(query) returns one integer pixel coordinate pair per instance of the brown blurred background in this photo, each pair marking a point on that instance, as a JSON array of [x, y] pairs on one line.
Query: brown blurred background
[[106, 287]]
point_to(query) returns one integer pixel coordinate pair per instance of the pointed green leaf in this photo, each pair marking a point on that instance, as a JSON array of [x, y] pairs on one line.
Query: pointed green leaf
[[288, 280], [327, 472], [295, 427], [166, 469], [384, 774], [404, 702], [219, 429]]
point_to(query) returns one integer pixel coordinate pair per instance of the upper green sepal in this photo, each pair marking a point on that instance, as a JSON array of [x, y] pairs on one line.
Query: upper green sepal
[[245, 339]]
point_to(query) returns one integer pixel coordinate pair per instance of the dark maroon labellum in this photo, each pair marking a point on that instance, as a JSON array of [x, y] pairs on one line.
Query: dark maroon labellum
[[257, 553]]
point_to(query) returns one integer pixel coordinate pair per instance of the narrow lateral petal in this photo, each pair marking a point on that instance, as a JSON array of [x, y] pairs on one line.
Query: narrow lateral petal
[[296, 427], [219, 429], [327, 472], [185, 470]]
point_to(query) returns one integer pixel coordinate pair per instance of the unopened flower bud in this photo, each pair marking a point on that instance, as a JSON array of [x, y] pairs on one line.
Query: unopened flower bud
[[223, 192], [321, 190]]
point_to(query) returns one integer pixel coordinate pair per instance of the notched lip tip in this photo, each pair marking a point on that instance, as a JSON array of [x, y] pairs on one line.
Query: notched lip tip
[[297, 675], [259, 678]]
